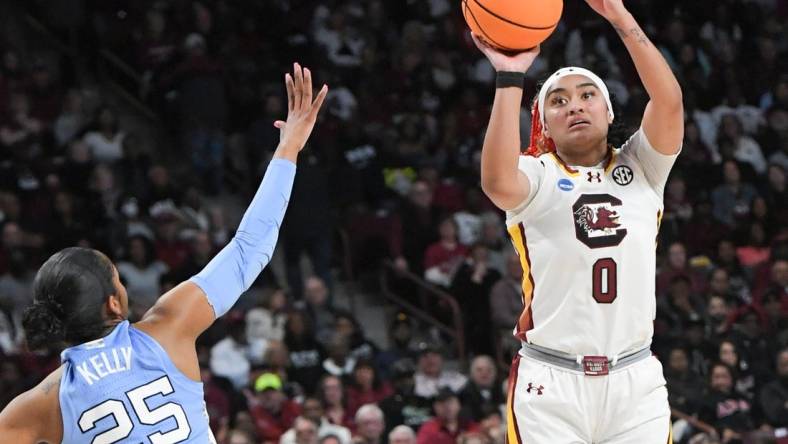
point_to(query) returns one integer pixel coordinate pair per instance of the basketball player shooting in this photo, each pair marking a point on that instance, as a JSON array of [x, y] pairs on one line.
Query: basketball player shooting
[[584, 217], [141, 382]]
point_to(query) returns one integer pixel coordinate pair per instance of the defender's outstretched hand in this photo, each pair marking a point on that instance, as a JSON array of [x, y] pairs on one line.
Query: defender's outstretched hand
[[301, 109], [502, 62]]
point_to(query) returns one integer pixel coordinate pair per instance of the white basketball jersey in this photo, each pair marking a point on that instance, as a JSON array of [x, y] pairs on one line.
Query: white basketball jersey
[[586, 240]]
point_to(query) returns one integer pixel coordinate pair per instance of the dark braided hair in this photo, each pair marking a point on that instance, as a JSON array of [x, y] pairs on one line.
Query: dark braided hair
[[69, 292]]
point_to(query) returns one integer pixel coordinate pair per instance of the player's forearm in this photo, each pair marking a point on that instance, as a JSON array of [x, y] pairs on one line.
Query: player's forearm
[[501, 147], [661, 85], [239, 263]]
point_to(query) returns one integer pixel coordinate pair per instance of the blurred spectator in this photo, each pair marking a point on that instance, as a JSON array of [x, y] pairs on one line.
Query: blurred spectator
[[402, 434], [305, 431], [400, 344], [360, 347], [419, 225], [268, 320], [313, 410], [506, 302], [236, 436], [231, 356], [774, 395], [339, 362], [470, 286], [732, 199], [678, 308], [482, 390], [332, 395], [370, 424], [405, 406], [217, 402], [744, 148], [271, 411], [141, 273], [306, 354], [106, 141], [492, 424], [430, 376], [724, 409], [677, 265], [308, 227], [745, 381], [365, 386], [317, 305], [447, 425], [443, 258], [71, 120], [737, 278]]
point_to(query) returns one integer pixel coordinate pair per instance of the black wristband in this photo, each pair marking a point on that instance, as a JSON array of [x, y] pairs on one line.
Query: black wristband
[[506, 79]]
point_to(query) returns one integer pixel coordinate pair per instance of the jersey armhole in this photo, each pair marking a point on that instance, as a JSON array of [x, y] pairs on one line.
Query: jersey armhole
[[166, 360]]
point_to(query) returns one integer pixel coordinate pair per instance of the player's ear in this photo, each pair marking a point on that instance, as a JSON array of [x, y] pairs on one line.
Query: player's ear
[[114, 307]]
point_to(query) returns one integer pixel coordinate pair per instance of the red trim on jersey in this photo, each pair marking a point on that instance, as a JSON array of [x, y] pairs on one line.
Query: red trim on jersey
[[525, 322], [512, 426]]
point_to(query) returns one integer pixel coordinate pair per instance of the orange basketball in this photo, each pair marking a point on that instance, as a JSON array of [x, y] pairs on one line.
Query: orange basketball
[[512, 25]]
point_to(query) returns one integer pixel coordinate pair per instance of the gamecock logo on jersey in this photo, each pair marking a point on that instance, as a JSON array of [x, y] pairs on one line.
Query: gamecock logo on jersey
[[597, 221]]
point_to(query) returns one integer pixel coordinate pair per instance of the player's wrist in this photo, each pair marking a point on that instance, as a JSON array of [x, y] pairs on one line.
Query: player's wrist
[[509, 79]]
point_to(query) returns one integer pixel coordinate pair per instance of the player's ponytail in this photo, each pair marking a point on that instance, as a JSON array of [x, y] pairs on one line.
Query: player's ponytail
[[43, 325], [69, 293], [539, 143]]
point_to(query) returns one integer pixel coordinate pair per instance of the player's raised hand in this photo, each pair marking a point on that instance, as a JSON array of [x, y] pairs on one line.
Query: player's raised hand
[[501, 61], [609, 9], [301, 109]]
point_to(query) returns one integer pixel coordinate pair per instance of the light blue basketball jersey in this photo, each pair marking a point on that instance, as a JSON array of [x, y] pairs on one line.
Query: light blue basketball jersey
[[123, 388]]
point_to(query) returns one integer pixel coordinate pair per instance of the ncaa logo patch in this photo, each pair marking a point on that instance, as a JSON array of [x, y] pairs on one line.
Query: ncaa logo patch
[[623, 175], [565, 185]]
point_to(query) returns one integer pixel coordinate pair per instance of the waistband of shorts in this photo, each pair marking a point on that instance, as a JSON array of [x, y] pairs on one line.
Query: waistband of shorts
[[590, 365]]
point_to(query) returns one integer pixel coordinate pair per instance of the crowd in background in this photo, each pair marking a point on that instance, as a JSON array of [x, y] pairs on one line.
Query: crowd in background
[[394, 163]]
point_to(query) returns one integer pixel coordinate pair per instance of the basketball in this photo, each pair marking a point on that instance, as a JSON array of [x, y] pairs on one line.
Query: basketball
[[512, 25]]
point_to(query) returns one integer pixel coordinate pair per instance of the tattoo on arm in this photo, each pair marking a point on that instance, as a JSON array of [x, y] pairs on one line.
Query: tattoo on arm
[[635, 31], [49, 385]]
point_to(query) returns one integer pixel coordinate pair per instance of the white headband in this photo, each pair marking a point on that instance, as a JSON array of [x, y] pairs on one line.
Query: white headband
[[568, 71]]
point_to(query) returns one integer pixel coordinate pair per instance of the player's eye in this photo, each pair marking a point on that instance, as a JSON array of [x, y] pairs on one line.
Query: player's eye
[[588, 94], [557, 100]]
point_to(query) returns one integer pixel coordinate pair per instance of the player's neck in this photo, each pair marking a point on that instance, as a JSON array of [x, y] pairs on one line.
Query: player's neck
[[585, 158]]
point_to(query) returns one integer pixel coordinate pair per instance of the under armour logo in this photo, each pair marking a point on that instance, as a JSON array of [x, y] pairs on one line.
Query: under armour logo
[[531, 387], [594, 177]]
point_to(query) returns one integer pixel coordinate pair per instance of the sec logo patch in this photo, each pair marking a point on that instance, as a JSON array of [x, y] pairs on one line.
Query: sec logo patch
[[623, 175]]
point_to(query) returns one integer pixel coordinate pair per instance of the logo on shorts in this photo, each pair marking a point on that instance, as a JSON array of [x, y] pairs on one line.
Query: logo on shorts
[[532, 387], [623, 175], [565, 185]]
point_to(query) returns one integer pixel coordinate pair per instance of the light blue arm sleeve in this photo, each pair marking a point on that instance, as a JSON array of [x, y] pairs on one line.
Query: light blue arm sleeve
[[239, 263]]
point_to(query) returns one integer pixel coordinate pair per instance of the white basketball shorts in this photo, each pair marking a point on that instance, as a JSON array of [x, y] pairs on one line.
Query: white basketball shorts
[[549, 404]]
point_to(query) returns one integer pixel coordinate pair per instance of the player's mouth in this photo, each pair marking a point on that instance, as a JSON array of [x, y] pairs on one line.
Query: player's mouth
[[578, 123]]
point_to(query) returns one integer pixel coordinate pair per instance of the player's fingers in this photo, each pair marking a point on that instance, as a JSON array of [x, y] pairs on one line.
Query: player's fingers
[[290, 92], [299, 86], [307, 86], [279, 124], [481, 44], [318, 101]]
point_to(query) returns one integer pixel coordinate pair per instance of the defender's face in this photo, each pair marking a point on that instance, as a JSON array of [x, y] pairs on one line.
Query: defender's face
[[575, 113]]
